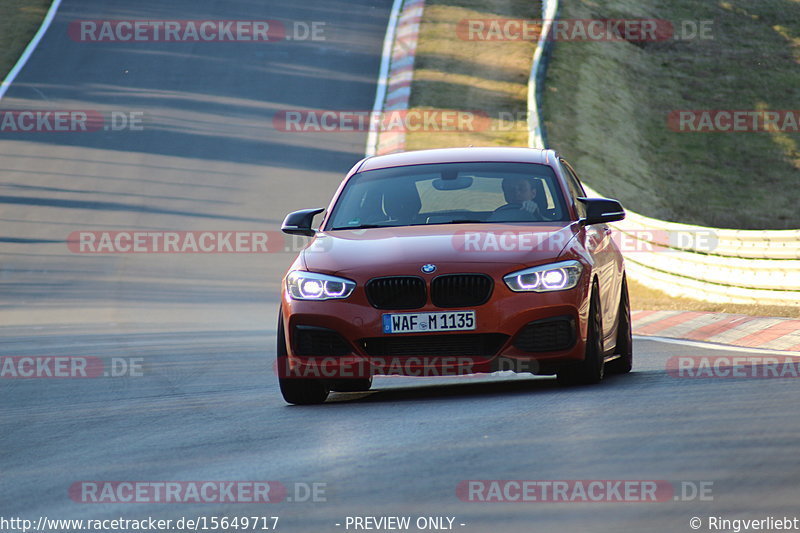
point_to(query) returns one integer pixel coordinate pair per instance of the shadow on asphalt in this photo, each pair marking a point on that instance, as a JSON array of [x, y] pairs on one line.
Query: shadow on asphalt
[[444, 391], [510, 387]]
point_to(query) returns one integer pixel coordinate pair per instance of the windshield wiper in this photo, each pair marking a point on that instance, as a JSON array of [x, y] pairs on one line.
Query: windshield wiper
[[371, 226], [462, 221], [363, 226]]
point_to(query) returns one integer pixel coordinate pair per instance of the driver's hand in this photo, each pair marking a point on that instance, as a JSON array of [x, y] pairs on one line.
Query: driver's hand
[[531, 207]]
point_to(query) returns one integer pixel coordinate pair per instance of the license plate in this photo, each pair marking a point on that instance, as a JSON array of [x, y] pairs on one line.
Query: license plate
[[425, 322]]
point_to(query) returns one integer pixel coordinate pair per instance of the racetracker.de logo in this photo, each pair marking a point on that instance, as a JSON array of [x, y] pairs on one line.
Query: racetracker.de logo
[[428, 120], [177, 492], [566, 30], [733, 367], [356, 367], [583, 491], [69, 121], [180, 242], [628, 241], [39, 367], [69, 367], [89, 31], [565, 491], [734, 121], [33, 120]]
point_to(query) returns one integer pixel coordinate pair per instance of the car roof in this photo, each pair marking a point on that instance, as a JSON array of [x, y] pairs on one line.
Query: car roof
[[460, 155]]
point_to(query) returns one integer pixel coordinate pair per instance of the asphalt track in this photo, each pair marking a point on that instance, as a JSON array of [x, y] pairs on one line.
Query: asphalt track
[[206, 406]]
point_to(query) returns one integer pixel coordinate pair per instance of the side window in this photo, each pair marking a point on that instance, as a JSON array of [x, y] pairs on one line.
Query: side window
[[575, 187]]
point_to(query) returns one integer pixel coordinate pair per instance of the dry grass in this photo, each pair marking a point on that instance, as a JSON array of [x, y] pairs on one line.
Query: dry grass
[[606, 106], [644, 298], [607, 102], [19, 21], [487, 78]]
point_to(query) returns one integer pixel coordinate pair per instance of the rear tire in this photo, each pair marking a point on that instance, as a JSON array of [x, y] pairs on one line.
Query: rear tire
[[298, 391], [624, 363], [591, 369]]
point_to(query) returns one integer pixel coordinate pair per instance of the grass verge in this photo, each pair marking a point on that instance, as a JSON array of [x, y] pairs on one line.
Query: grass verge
[[484, 77], [645, 298], [606, 106], [590, 111], [19, 21]]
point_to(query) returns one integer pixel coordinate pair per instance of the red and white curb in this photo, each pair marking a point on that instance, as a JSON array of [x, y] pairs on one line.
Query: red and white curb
[[399, 75], [721, 328]]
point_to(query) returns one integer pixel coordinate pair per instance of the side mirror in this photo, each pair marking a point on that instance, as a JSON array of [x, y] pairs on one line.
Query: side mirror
[[299, 222], [601, 210]]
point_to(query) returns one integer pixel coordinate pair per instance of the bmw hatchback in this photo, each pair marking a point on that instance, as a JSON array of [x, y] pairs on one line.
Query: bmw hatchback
[[452, 262]]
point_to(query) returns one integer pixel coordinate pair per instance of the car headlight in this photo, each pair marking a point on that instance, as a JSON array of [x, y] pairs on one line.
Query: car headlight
[[304, 285], [545, 278]]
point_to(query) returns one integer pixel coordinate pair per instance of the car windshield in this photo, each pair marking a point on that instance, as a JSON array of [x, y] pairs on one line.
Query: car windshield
[[449, 193]]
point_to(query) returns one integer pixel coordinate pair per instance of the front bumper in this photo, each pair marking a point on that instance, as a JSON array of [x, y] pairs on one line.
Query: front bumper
[[520, 332]]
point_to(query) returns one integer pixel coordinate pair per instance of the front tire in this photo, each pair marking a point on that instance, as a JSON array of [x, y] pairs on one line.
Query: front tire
[[591, 369], [352, 385], [624, 350], [297, 391]]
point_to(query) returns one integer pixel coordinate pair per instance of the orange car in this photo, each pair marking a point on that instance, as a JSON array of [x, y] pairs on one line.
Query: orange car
[[450, 262]]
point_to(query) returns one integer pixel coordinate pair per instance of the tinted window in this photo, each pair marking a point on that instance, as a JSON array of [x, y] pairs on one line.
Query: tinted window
[[450, 193], [575, 187]]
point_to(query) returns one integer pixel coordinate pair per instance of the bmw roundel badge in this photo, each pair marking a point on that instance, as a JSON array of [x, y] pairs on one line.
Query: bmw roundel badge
[[429, 268]]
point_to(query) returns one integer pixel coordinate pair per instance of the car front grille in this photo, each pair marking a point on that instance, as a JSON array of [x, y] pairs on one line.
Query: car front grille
[[310, 341], [548, 335], [461, 290], [397, 292], [454, 345]]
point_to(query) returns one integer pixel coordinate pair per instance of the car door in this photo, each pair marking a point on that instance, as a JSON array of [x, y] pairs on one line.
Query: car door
[[600, 244]]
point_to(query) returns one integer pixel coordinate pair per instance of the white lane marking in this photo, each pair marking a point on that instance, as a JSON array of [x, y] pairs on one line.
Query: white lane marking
[[383, 78], [715, 346], [51, 13]]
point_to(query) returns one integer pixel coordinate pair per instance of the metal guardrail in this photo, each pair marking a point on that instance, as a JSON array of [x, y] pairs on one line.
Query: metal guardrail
[[711, 264], [536, 131]]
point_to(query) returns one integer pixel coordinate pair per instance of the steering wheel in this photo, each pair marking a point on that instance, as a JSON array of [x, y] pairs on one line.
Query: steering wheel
[[545, 214], [550, 214], [508, 207]]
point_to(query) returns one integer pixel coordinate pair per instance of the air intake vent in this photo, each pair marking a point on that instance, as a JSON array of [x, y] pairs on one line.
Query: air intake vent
[[547, 335], [454, 345], [320, 342], [396, 292], [461, 290]]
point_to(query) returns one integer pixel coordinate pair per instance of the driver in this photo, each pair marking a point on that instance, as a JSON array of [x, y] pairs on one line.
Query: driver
[[522, 200], [401, 203]]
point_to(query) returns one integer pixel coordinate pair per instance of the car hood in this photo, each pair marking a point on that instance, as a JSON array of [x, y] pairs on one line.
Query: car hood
[[382, 250]]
